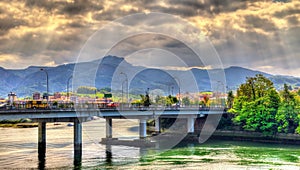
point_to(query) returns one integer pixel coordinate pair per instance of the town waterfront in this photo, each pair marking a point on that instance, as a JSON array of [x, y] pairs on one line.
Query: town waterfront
[[18, 150]]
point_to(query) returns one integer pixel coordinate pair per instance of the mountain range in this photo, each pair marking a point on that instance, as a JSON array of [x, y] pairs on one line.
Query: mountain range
[[24, 82]]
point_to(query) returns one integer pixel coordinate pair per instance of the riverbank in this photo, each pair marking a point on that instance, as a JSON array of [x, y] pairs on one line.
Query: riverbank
[[280, 138], [18, 125]]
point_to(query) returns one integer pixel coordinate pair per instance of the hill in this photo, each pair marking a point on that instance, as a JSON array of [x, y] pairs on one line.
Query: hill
[[26, 81]]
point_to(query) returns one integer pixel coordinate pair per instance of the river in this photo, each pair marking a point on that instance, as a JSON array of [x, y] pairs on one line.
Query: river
[[18, 150]]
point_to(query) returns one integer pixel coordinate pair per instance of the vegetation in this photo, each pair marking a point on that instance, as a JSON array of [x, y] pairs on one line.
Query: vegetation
[[230, 98], [86, 90], [186, 101], [259, 107]]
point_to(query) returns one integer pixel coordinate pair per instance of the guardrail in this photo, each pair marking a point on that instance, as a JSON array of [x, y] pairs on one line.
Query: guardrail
[[114, 109]]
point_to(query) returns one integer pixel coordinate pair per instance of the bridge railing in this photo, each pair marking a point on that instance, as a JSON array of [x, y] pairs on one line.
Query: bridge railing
[[150, 108]]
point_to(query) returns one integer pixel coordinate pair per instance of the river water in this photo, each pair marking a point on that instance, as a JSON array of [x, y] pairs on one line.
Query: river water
[[18, 150]]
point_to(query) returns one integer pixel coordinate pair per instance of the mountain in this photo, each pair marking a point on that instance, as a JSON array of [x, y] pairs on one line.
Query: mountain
[[26, 81]]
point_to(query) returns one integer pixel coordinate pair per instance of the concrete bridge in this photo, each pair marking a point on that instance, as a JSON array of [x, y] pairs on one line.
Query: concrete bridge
[[79, 115]]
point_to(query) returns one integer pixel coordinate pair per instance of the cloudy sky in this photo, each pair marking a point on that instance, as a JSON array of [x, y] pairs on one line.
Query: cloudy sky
[[261, 34]]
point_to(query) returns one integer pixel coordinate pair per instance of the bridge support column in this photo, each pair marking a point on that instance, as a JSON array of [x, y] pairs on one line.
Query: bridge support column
[[190, 124], [157, 125], [143, 128], [42, 141], [108, 128], [77, 142]]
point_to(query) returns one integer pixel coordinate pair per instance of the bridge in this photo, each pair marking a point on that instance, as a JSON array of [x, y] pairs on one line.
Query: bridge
[[80, 115]]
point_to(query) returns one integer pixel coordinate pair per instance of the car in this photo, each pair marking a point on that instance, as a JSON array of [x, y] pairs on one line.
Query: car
[[112, 104]]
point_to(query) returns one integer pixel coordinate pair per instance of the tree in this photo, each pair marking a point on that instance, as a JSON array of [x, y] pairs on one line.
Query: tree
[[230, 99], [256, 105], [287, 115], [206, 100], [186, 101], [171, 100], [255, 87], [86, 90], [145, 100]]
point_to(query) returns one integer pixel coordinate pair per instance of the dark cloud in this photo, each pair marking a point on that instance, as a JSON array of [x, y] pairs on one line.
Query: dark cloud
[[80, 6], [46, 4], [76, 24], [70, 8], [9, 22], [64, 42], [293, 20], [287, 12], [258, 22], [209, 6]]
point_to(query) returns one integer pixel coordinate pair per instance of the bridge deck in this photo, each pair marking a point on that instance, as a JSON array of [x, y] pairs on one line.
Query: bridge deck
[[111, 113]]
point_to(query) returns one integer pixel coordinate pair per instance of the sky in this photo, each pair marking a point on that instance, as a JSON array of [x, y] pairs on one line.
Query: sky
[[260, 35]]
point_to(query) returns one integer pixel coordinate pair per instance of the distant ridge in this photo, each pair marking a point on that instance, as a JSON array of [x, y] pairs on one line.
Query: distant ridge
[[26, 81]]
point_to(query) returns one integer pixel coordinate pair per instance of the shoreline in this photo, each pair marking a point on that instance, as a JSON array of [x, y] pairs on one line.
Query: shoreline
[[18, 125], [280, 138]]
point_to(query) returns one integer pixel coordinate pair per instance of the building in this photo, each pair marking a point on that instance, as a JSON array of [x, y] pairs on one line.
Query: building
[[36, 96], [57, 95], [12, 97]]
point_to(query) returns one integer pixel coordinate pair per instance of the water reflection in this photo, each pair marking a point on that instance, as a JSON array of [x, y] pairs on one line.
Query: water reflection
[[108, 152], [42, 161], [77, 163]]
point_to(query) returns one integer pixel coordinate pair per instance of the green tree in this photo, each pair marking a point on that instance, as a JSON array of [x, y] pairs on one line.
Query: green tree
[[186, 101], [256, 105], [287, 115], [230, 98], [171, 100], [86, 90], [145, 100]]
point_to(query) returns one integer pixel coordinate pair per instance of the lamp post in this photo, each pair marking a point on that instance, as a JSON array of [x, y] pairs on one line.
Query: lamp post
[[178, 81], [68, 86], [47, 77], [127, 97], [219, 93]]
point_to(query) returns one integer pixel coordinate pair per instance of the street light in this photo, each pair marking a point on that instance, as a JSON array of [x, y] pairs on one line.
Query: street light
[[219, 93], [68, 86], [126, 86], [178, 81], [42, 69]]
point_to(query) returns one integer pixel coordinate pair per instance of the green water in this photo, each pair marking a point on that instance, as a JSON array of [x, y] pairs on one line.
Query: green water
[[18, 150], [235, 153], [217, 154]]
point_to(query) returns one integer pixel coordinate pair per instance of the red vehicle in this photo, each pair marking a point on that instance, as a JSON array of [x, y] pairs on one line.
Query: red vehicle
[[113, 104]]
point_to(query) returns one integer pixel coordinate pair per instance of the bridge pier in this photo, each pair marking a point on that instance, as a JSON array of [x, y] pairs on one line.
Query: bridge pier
[[190, 124], [143, 128], [108, 128], [42, 141], [157, 125], [77, 142]]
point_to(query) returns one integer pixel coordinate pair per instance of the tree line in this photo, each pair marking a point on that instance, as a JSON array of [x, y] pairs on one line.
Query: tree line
[[257, 106]]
